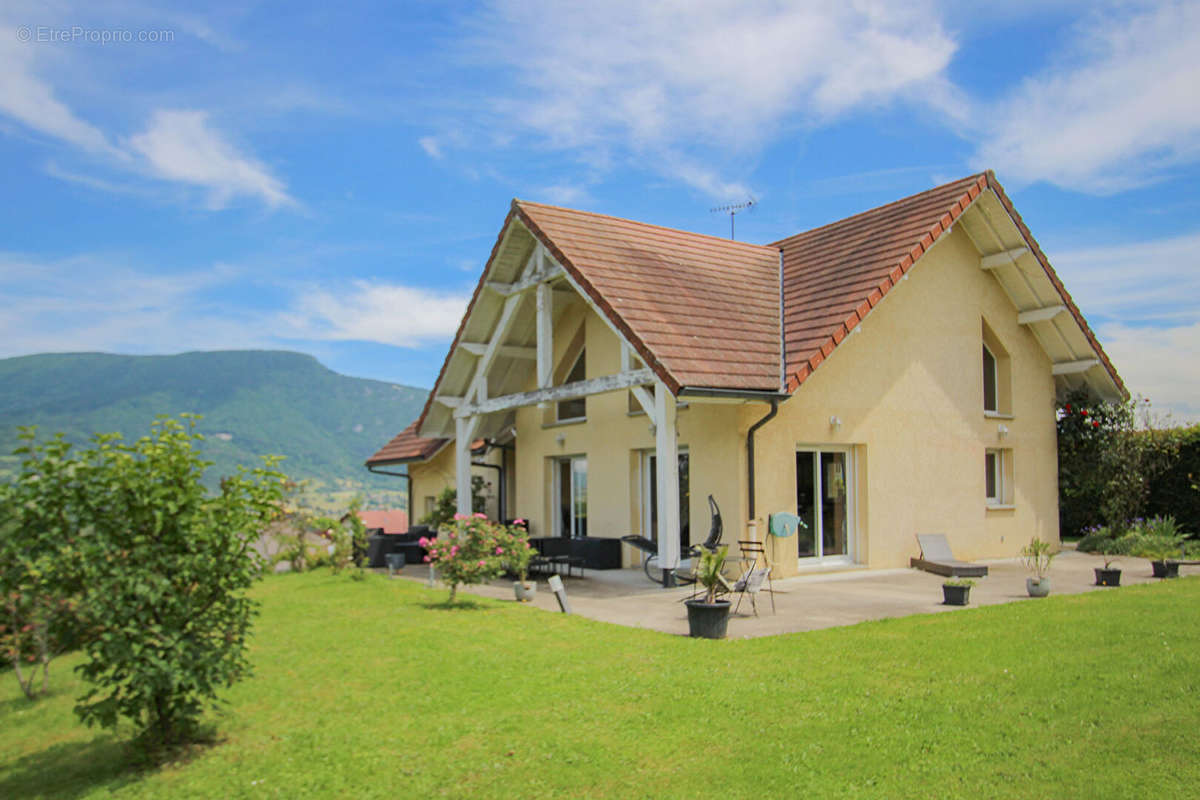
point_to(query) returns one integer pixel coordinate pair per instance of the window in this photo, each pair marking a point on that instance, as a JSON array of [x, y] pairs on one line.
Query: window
[[824, 501], [989, 380], [650, 497], [577, 408], [571, 488], [997, 466], [997, 382]]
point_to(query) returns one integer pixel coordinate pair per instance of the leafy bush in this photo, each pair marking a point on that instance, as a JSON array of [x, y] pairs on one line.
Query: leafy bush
[[1106, 464], [39, 584], [1157, 538], [165, 568], [1175, 490], [518, 552], [470, 550], [445, 509]]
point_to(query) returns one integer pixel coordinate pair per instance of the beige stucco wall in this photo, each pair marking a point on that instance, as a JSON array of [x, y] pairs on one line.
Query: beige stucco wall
[[431, 477], [908, 389]]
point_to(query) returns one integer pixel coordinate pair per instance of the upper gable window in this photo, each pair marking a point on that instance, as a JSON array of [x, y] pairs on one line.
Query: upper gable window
[[576, 408], [997, 375], [989, 380]]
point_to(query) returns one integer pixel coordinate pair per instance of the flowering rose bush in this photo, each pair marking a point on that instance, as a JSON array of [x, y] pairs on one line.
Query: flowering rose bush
[[468, 550], [518, 551]]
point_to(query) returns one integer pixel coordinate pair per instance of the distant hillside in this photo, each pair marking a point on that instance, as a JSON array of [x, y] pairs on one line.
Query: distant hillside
[[253, 403]]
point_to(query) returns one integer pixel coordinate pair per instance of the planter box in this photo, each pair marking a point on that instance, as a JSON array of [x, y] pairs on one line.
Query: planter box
[[955, 595], [1108, 577], [1165, 569]]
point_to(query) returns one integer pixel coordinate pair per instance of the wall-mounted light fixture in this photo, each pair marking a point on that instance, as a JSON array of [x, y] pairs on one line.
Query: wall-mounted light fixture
[[1002, 431], [835, 422]]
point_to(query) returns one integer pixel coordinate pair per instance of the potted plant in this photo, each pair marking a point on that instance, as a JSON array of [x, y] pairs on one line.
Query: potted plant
[[1037, 556], [957, 591], [708, 617], [1108, 575], [1161, 562], [518, 553]]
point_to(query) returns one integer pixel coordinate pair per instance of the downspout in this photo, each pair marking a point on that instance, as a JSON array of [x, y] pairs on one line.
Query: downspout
[[407, 484], [750, 453]]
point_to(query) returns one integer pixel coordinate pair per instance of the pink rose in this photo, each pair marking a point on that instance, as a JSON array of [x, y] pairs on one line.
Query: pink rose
[[482, 563], [426, 559], [518, 522], [499, 550], [423, 541], [459, 517], [480, 516]]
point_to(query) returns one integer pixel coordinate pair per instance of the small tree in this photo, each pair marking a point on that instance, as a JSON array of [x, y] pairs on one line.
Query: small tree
[[445, 506], [469, 550], [166, 568], [38, 589]]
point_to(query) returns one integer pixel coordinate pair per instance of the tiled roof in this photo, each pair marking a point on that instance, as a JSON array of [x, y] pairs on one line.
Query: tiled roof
[[700, 310], [391, 521], [834, 275], [406, 446]]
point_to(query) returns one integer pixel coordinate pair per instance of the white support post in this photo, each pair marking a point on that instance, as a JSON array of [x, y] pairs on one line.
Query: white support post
[[464, 434], [667, 451], [545, 334]]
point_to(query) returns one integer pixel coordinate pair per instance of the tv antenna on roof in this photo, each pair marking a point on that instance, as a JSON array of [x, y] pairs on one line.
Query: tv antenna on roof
[[732, 209]]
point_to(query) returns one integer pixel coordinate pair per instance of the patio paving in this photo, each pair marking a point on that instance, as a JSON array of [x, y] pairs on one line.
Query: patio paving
[[813, 601]]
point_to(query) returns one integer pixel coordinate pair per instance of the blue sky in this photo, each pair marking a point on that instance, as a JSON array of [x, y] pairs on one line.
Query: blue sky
[[331, 177]]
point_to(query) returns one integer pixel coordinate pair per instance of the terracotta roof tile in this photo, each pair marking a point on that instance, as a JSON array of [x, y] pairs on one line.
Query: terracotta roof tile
[[407, 446], [701, 310]]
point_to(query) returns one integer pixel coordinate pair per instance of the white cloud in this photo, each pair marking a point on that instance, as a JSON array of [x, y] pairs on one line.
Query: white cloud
[[31, 101], [562, 194], [1141, 282], [403, 316], [180, 145], [659, 78], [1159, 363], [431, 146], [1117, 111]]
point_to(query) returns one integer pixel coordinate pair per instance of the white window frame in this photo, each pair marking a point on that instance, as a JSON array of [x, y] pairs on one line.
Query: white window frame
[[1001, 466], [556, 487], [820, 559]]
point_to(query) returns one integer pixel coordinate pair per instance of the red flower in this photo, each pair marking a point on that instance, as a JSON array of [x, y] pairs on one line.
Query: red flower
[[1084, 412], [1095, 424], [1068, 408]]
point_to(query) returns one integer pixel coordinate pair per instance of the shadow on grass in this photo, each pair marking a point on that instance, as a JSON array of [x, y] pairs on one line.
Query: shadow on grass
[[461, 604], [71, 769]]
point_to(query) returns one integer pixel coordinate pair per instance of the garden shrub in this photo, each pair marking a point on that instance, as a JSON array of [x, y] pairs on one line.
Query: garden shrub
[[469, 550], [1175, 490], [165, 569]]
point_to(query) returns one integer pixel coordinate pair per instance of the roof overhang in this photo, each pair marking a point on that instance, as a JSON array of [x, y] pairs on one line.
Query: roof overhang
[[1010, 254]]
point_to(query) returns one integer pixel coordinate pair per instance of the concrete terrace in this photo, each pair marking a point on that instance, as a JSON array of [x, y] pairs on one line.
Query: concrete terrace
[[814, 601]]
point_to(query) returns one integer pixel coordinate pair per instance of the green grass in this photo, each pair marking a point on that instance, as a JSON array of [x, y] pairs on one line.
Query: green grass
[[371, 690]]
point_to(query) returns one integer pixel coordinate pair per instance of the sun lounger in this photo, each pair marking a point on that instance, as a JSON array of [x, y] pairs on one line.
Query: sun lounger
[[937, 558]]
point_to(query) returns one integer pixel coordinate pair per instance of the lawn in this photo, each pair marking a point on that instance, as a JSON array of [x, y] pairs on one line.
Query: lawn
[[372, 690]]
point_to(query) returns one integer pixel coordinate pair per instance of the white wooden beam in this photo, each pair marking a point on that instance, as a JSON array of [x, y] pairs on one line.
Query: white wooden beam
[[666, 450], [1003, 258], [526, 283], [506, 350], [464, 434], [449, 402], [484, 364], [1074, 367], [556, 394], [545, 335], [645, 400], [1039, 314]]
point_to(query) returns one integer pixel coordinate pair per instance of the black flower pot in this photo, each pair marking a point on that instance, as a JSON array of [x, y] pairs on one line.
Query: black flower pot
[[707, 620], [955, 595], [1108, 576], [1165, 569]]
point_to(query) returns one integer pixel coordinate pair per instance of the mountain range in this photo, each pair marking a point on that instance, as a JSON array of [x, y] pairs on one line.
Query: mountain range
[[252, 403]]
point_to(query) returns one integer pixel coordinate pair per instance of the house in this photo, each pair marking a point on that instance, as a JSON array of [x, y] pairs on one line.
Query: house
[[890, 374], [388, 521]]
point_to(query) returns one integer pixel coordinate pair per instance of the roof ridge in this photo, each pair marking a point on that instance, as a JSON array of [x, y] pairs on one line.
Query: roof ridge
[[519, 202], [967, 179]]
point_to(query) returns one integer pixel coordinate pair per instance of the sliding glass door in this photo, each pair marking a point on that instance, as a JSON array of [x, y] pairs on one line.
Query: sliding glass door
[[570, 478], [824, 500], [650, 497]]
